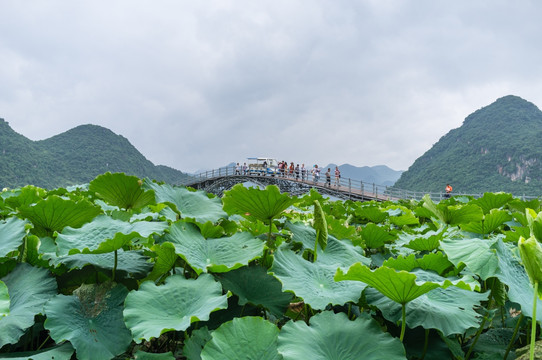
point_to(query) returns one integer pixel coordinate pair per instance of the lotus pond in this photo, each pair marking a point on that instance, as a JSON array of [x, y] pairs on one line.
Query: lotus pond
[[127, 268]]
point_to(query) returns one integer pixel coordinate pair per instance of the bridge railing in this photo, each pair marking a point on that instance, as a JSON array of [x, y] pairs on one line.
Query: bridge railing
[[354, 187]]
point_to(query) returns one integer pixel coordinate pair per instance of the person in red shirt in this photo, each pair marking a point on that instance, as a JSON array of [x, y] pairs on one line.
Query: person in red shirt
[[448, 190]]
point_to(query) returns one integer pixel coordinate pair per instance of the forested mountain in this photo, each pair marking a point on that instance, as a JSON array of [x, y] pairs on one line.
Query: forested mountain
[[498, 148], [73, 157]]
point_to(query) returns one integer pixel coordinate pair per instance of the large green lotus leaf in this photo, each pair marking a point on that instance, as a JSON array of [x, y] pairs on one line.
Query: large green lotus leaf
[[375, 236], [131, 262], [512, 273], [122, 190], [478, 255], [304, 234], [190, 204], [450, 310], [253, 285], [4, 300], [491, 222], [492, 201], [27, 195], [422, 242], [263, 205], [372, 213], [340, 230], [246, 338], [400, 286], [342, 253], [313, 281], [164, 261], [105, 234], [432, 261], [453, 214], [59, 352], [91, 319], [174, 305], [55, 213], [29, 289], [12, 233], [401, 215], [332, 336], [214, 255]]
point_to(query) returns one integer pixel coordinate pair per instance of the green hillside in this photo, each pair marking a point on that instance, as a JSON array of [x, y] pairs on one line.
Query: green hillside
[[497, 148], [73, 157]]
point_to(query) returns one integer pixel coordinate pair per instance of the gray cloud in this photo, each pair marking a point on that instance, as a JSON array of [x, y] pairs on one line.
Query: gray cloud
[[200, 84]]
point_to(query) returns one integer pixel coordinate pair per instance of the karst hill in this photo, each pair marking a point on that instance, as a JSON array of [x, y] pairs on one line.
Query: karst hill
[[74, 157], [498, 148]]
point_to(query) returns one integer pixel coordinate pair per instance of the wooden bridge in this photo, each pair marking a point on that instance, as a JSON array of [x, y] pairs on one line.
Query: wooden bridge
[[218, 180]]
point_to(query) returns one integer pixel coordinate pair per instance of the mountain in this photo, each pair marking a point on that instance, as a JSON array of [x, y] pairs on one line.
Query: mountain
[[497, 148], [379, 174], [74, 157]]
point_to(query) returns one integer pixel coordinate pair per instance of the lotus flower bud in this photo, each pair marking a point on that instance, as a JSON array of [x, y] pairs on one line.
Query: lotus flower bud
[[531, 256]]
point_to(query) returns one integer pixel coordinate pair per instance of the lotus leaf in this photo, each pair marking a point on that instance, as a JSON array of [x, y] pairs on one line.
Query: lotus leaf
[[58, 352], [215, 255], [372, 213], [375, 236], [91, 319], [491, 222], [164, 261], [253, 285], [195, 343], [264, 205], [313, 281], [29, 289], [190, 204], [478, 255], [12, 233], [492, 201], [4, 300], [513, 274], [400, 286], [332, 336], [174, 305], [453, 215], [55, 213], [450, 310], [122, 190], [132, 262], [243, 338], [432, 261], [105, 234]]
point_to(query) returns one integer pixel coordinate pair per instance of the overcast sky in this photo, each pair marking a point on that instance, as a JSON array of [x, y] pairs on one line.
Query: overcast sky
[[199, 84]]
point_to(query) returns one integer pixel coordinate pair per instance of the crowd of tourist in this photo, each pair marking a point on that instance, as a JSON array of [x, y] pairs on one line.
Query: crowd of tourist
[[299, 173]]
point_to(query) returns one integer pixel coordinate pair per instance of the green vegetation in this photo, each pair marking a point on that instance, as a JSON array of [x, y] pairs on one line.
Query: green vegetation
[[72, 158], [125, 268], [496, 149]]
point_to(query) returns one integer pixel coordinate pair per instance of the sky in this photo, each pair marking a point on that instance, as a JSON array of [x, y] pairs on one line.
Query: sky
[[200, 84]]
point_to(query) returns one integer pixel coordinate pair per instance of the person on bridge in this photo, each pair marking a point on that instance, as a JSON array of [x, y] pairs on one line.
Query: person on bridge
[[303, 172], [297, 172], [237, 169], [328, 177], [448, 191], [337, 176], [315, 174]]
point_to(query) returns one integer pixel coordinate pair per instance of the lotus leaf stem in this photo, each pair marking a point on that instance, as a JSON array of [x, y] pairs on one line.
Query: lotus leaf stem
[[533, 321], [403, 321], [114, 266], [425, 344], [478, 332], [516, 329]]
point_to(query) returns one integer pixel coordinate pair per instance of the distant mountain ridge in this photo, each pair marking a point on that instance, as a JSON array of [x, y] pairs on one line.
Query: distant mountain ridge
[[74, 157], [378, 174], [498, 148]]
